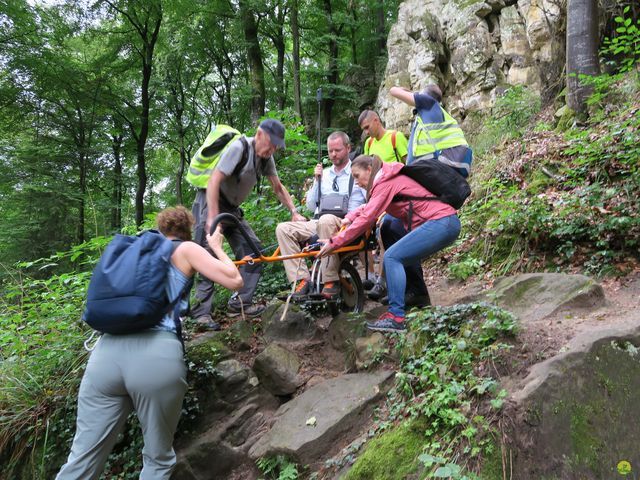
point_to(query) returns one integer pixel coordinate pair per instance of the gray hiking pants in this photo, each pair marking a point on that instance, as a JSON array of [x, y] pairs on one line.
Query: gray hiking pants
[[144, 372], [250, 273]]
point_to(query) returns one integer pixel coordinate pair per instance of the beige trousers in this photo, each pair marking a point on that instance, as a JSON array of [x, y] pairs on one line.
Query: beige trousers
[[291, 234]]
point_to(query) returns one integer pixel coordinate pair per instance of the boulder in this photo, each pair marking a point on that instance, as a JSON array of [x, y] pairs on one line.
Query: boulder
[[295, 326], [240, 334], [346, 327], [307, 427], [369, 348], [277, 369], [575, 416], [534, 296]]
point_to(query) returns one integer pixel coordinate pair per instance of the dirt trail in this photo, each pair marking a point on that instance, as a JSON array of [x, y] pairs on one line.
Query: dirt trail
[[541, 339]]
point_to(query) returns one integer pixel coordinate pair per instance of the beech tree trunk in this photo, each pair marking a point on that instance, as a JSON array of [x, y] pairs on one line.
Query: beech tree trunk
[[582, 51], [254, 57], [295, 33]]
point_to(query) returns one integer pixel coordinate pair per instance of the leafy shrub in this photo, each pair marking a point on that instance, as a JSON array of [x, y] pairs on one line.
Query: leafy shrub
[[279, 467], [626, 44]]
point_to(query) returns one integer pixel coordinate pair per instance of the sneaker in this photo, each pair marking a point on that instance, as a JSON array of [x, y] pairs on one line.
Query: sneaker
[[410, 300], [331, 290], [302, 290], [388, 322], [252, 310], [367, 284], [205, 322], [378, 291]]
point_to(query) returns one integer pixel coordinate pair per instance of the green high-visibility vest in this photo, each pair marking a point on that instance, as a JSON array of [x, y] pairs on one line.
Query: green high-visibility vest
[[431, 137], [206, 158]]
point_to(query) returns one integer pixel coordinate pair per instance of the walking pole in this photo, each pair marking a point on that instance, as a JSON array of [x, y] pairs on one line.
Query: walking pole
[[319, 137]]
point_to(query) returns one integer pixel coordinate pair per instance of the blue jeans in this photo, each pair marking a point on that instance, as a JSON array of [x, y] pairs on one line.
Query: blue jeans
[[402, 259]]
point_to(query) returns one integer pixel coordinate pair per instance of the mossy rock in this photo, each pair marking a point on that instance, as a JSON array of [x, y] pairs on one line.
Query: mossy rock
[[393, 455], [566, 118], [210, 346]]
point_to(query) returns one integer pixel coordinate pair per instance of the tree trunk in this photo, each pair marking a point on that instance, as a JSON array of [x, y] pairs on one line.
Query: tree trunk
[[254, 57], [582, 51], [295, 33], [83, 192], [146, 24], [332, 67], [116, 196]]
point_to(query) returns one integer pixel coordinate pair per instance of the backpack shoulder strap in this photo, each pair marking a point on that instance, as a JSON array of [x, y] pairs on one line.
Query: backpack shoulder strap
[[367, 145], [244, 159], [393, 144], [350, 184]]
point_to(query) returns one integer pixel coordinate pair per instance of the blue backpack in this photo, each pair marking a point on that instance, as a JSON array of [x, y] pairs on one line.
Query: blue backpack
[[127, 289]]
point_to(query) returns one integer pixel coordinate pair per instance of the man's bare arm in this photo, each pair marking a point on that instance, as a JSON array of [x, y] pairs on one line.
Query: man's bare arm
[[403, 94], [285, 198]]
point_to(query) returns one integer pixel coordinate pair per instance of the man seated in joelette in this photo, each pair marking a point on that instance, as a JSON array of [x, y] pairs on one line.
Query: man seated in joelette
[[335, 179]]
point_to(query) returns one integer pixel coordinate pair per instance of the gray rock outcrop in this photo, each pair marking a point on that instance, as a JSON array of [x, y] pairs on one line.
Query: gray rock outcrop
[[534, 296], [576, 415], [473, 50], [308, 427], [233, 411]]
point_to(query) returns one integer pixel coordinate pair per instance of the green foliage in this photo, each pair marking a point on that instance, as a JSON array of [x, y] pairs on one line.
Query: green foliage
[[508, 119], [442, 378], [279, 467], [41, 360], [579, 206], [465, 268], [624, 48]]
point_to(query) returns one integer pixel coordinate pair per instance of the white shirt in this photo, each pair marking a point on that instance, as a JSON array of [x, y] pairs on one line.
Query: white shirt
[[358, 195]]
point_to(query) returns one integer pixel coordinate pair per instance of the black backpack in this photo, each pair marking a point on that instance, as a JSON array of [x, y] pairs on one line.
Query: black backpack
[[440, 179]]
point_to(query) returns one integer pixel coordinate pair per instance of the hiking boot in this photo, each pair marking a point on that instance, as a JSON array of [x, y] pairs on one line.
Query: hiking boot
[[331, 290], [388, 322], [410, 300], [378, 291], [252, 310], [205, 322], [301, 291]]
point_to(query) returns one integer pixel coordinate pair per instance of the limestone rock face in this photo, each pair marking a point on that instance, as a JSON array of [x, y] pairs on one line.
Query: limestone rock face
[[473, 50]]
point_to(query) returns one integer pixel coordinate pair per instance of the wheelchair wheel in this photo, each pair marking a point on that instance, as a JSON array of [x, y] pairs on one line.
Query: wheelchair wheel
[[351, 291]]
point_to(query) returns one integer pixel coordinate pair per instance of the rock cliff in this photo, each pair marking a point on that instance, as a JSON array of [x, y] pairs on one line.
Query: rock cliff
[[473, 50]]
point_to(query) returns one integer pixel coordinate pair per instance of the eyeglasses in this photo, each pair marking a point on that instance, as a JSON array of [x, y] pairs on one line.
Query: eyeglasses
[[334, 185]]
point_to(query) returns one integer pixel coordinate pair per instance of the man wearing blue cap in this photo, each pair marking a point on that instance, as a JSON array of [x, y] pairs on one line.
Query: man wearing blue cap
[[226, 190]]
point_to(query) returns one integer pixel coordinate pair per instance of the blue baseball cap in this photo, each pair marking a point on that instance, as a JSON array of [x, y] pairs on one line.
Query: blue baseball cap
[[275, 129]]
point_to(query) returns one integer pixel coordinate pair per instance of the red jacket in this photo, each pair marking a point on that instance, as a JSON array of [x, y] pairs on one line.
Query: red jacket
[[388, 183]]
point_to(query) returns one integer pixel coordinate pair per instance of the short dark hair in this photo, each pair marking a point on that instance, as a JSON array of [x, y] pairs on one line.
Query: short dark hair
[[175, 221], [366, 114], [434, 90]]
